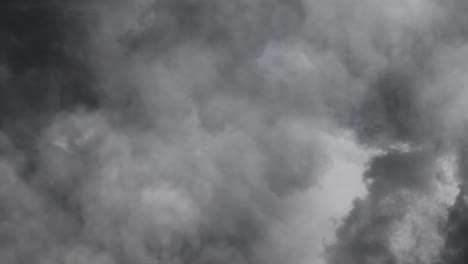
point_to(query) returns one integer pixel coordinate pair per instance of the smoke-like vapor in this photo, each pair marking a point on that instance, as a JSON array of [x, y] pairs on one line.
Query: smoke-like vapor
[[244, 131]]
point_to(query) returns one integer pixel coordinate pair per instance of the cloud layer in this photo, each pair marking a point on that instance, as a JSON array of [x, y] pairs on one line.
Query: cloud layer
[[248, 131]]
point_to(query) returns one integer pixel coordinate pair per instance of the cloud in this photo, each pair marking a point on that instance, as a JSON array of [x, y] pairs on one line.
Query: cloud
[[235, 132], [410, 194]]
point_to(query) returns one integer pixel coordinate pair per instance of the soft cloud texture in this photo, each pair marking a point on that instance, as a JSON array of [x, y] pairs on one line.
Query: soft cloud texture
[[248, 131]]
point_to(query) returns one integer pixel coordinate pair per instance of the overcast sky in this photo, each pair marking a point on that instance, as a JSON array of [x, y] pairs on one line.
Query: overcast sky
[[241, 131]]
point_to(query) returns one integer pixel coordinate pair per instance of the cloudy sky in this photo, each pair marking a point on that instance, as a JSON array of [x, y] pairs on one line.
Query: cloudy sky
[[233, 132]]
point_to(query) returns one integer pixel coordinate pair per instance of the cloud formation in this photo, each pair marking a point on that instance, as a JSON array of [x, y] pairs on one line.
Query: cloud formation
[[200, 131]]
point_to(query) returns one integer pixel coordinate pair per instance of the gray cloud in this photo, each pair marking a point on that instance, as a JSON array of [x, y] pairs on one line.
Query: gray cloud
[[183, 131]]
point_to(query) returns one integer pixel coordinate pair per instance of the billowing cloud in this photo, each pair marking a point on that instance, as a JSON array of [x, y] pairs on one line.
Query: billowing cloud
[[248, 131]]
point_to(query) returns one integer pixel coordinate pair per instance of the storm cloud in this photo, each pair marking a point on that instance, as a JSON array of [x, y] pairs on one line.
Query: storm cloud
[[247, 131]]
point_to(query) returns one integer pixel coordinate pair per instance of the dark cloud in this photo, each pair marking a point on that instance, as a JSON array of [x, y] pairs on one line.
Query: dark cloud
[[381, 228], [455, 250], [390, 111], [184, 131], [456, 226], [133, 177], [43, 65]]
